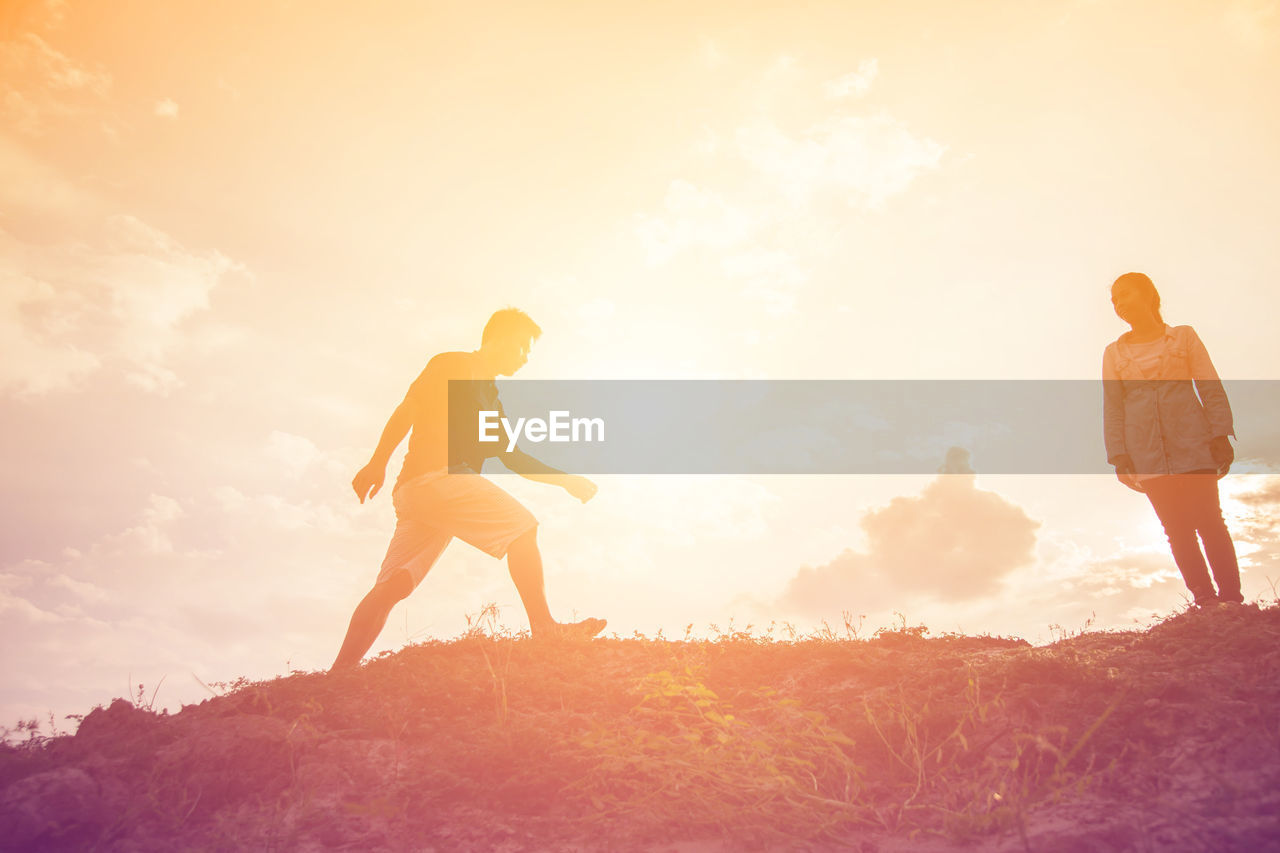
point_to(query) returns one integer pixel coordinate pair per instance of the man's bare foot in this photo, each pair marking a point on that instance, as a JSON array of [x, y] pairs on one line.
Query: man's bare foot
[[583, 630]]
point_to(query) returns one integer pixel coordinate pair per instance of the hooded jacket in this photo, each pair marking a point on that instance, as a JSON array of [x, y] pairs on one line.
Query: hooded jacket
[[1155, 416]]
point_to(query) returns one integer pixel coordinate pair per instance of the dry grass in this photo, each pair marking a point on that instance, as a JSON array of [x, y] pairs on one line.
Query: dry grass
[[751, 739]]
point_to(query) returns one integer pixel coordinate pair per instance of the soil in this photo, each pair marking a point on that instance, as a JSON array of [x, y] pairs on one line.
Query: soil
[[1164, 739]]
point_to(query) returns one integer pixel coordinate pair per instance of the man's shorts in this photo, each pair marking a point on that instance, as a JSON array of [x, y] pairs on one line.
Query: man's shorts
[[434, 507]]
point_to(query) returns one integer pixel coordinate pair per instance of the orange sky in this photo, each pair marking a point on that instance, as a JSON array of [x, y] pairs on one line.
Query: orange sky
[[231, 234]]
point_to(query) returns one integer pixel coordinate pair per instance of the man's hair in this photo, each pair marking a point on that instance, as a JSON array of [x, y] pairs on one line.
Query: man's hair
[[510, 323], [1145, 286]]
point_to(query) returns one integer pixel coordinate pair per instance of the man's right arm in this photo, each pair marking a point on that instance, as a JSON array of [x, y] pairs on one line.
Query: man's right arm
[[368, 481]]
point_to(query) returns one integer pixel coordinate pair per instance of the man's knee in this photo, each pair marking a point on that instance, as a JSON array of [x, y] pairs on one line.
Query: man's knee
[[397, 587], [524, 542]]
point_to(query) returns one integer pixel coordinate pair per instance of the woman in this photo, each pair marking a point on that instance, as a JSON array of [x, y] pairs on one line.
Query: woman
[[1167, 442]]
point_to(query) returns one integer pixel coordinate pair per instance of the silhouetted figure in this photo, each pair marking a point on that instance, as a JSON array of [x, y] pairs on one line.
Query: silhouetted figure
[[956, 462], [440, 494], [1167, 442]]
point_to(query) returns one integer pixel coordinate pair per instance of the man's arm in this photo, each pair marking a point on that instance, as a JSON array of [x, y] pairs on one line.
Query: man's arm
[[369, 479], [526, 466]]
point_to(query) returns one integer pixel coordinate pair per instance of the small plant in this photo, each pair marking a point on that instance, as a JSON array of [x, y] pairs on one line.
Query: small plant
[[141, 701], [686, 755]]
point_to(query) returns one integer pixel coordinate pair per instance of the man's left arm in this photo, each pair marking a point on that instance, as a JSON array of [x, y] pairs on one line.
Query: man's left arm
[[530, 468]]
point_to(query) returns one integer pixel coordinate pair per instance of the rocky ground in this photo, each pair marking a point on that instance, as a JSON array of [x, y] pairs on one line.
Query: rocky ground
[[1162, 739]]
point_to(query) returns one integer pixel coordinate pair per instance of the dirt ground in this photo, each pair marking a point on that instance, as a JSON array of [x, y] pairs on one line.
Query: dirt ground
[[1167, 739]]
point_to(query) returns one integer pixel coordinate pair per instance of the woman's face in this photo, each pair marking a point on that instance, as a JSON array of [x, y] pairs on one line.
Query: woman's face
[[1132, 303]]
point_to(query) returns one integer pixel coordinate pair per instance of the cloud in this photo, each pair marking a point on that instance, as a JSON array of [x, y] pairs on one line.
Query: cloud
[[150, 535], [1128, 571], [1251, 505], [165, 594], [692, 217], [41, 198], [84, 288], [55, 12], [761, 203], [855, 83], [864, 159], [295, 453], [166, 108], [114, 300], [770, 276], [39, 85], [710, 53], [1254, 23], [278, 513], [953, 542]]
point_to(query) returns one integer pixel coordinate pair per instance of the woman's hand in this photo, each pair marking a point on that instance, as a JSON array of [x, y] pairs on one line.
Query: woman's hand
[[1223, 453], [1125, 472]]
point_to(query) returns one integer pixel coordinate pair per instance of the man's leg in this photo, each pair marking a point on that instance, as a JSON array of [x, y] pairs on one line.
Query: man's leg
[[370, 617], [524, 561]]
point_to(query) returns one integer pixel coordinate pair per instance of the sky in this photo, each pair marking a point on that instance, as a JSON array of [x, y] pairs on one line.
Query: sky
[[232, 234]]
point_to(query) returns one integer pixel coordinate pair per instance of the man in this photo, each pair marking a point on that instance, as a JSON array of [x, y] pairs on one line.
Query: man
[[440, 494]]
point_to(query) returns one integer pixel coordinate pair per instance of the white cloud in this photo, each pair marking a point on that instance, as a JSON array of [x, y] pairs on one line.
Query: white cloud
[[40, 85], [226, 88], [295, 453], [143, 600], [55, 12], [281, 513], [166, 108], [18, 609], [151, 534], [692, 217], [782, 67], [954, 542], [33, 359], [597, 310], [40, 196], [1252, 22], [81, 589], [770, 276], [118, 300], [771, 225], [855, 83], [710, 53], [865, 160]]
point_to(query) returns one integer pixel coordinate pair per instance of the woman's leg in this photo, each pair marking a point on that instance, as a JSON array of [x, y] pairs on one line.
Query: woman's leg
[[1218, 547], [1175, 509]]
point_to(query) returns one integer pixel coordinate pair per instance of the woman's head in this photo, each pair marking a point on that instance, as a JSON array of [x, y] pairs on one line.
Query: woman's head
[[1136, 299]]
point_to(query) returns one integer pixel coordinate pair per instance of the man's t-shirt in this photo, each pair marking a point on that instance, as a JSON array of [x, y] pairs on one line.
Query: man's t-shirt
[[434, 409]]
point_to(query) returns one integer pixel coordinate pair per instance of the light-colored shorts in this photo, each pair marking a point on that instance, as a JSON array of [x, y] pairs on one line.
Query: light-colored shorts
[[434, 507]]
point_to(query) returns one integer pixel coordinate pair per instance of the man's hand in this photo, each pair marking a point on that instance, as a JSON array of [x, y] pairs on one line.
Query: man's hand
[[369, 480], [1223, 453], [580, 487]]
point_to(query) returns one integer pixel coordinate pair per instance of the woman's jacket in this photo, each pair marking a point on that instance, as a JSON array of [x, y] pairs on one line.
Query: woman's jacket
[[1157, 419]]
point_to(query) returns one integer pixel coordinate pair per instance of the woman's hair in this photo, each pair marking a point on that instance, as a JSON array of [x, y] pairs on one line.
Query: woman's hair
[[1145, 286]]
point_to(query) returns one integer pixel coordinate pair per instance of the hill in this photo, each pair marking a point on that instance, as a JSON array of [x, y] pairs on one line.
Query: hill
[[1161, 739]]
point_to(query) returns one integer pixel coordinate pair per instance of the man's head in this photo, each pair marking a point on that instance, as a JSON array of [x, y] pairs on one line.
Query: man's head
[[507, 338]]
